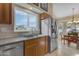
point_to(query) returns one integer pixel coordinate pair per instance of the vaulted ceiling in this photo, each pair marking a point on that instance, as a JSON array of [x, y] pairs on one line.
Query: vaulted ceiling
[[64, 12], [65, 9]]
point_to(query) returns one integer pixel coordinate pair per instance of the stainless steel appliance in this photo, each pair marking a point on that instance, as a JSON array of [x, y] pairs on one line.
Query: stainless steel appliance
[[15, 49], [46, 29]]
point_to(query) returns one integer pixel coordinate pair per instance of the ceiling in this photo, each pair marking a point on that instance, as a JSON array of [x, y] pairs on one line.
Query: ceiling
[[65, 9]]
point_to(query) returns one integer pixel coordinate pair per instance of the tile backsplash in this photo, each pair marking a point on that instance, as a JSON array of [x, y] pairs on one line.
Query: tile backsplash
[[7, 31], [6, 28]]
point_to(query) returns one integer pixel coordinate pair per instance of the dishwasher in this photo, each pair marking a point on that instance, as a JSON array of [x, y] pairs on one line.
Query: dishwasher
[[14, 49]]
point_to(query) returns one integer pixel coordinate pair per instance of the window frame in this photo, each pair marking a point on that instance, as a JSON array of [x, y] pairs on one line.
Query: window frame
[[29, 12]]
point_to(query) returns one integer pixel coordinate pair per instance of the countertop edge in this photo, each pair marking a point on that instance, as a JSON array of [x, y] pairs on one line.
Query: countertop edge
[[17, 39]]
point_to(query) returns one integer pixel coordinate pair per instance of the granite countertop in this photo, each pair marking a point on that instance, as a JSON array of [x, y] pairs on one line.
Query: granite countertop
[[16, 39]]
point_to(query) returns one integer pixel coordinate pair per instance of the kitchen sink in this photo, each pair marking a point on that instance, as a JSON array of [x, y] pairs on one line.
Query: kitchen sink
[[28, 36]]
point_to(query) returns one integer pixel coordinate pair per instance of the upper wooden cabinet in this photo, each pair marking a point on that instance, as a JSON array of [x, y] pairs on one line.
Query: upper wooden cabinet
[[1, 14], [5, 13], [46, 7], [43, 6]]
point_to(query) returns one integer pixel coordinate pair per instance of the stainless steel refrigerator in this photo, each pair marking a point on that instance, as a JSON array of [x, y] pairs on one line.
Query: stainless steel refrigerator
[[48, 28]]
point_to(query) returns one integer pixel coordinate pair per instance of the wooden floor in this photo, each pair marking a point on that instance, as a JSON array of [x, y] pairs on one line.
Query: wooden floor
[[64, 50]]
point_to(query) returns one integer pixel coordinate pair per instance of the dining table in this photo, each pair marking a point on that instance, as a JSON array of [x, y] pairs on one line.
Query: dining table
[[71, 39]]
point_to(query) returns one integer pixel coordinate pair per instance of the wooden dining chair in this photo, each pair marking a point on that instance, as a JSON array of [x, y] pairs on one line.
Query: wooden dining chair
[[62, 38], [78, 43], [72, 39]]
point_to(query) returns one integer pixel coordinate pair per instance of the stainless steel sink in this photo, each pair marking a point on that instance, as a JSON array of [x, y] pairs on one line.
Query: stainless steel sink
[[28, 36]]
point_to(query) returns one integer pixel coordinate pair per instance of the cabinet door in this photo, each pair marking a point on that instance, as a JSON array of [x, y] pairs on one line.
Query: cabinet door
[[1, 13], [30, 47], [7, 13], [41, 46], [46, 47], [36, 47], [39, 51], [31, 51]]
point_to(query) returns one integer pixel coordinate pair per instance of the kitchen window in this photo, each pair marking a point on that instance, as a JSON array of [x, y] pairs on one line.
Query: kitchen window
[[32, 20], [21, 19], [25, 20]]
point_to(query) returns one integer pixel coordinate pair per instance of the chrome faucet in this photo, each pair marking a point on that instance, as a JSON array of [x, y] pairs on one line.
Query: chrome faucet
[[34, 31]]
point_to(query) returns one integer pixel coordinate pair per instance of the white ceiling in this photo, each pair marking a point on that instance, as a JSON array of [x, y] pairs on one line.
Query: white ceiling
[[65, 9]]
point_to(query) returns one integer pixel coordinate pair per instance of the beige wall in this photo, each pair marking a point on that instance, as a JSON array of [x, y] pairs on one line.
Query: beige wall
[[50, 9]]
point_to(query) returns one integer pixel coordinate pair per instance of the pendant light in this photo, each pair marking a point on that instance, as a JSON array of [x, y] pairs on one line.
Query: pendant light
[[73, 21]]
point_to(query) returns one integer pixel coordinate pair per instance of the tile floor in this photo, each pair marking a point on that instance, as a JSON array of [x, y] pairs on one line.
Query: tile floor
[[64, 50]]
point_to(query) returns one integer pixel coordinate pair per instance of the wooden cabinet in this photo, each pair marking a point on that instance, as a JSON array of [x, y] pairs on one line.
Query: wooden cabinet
[[43, 16], [47, 44], [5, 13], [36, 47], [41, 45], [43, 6], [30, 51], [30, 47], [1, 14]]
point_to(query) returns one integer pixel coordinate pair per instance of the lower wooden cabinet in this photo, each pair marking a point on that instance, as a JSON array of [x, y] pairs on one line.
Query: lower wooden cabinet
[[31, 51], [42, 45], [30, 47], [47, 44], [36, 47]]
